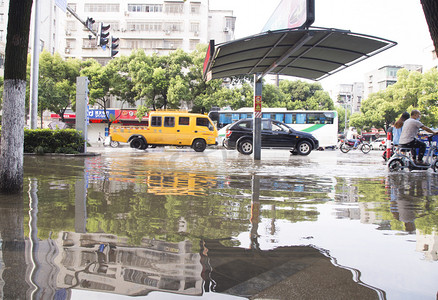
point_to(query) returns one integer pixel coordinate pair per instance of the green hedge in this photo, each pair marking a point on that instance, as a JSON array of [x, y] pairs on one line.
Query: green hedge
[[41, 141]]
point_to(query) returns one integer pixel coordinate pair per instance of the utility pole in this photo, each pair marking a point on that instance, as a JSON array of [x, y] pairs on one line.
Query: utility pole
[[33, 107]]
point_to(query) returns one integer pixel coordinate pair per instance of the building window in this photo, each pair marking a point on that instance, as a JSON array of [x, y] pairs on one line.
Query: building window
[[87, 43], [72, 6], [172, 44], [71, 25], [148, 8], [230, 23], [145, 26], [1, 35], [2, 18], [104, 7], [193, 44], [194, 27], [174, 8], [70, 43], [174, 26], [195, 8]]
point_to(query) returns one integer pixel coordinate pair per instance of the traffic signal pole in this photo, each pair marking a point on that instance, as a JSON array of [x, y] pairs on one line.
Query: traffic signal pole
[[87, 23]]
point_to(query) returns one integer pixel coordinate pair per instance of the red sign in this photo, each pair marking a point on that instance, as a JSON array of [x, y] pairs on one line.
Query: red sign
[[66, 116], [258, 104]]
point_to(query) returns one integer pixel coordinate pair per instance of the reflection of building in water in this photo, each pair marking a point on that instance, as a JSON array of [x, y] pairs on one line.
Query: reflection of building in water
[[428, 244], [104, 262], [346, 192]]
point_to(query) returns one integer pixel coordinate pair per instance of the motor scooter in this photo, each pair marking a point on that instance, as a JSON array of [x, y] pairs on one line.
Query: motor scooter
[[402, 159]]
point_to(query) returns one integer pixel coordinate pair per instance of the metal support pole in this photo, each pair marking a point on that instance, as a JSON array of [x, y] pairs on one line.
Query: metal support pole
[[257, 124], [82, 107], [33, 107]]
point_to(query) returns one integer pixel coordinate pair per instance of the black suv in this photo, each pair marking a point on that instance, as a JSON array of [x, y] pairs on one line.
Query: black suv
[[275, 134]]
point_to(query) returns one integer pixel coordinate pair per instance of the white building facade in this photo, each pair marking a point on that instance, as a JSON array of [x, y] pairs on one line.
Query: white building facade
[[350, 96], [380, 79], [156, 26]]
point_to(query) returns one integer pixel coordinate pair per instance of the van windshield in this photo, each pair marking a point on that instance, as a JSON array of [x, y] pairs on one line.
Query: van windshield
[[204, 122]]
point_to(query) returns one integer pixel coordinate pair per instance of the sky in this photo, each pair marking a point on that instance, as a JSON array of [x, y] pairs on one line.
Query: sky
[[401, 21]]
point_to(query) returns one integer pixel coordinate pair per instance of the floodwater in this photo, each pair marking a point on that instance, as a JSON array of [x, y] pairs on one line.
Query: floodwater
[[176, 224]]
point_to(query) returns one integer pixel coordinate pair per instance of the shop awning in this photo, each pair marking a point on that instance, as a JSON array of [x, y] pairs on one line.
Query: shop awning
[[312, 53]]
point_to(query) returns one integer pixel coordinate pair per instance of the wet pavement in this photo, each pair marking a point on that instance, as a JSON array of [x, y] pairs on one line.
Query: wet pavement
[[177, 224]]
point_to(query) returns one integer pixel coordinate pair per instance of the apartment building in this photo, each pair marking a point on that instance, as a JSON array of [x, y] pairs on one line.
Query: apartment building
[[350, 95], [380, 79], [156, 26]]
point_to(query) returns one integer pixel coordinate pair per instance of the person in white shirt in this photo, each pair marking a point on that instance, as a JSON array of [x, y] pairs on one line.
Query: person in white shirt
[[408, 137]]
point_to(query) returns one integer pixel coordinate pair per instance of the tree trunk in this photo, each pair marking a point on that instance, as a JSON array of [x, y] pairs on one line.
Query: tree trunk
[[12, 140], [430, 9]]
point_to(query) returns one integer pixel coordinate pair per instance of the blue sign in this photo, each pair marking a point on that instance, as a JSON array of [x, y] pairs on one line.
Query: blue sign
[[100, 113]]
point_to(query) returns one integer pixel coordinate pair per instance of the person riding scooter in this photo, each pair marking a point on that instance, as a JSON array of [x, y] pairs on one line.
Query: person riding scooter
[[408, 139]]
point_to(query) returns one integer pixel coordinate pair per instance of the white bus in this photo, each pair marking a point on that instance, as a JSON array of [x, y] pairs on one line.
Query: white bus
[[323, 124]]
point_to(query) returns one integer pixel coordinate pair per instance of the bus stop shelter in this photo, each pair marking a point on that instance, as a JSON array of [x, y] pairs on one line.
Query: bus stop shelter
[[306, 52]]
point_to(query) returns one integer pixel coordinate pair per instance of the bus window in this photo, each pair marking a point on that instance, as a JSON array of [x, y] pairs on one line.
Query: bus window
[[288, 119], [329, 117], [301, 118], [235, 117], [243, 116], [225, 118], [156, 121], [184, 121], [169, 121], [279, 117], [313, 118]]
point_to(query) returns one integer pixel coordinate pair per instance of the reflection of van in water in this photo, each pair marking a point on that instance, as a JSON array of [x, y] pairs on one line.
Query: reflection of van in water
[[169, 128]]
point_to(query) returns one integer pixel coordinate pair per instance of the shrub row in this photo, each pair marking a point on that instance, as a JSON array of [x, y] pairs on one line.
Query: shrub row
[[42, 141]]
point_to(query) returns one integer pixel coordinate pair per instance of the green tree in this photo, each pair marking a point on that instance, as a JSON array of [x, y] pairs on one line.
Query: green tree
[[154, 75], [57, 83], [412, 90], [307, 96], [107, 81]]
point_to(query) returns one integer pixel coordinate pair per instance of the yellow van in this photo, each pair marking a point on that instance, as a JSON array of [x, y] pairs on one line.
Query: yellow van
[[169, 128]]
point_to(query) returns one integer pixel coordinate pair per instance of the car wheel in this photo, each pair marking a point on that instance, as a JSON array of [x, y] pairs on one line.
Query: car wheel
[[144, 145], [304, 148], [114, 144], [199, 145], [245, 147], [137, 143]]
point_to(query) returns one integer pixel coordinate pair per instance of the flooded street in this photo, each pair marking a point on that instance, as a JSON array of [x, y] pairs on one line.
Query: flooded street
[[177, 224]]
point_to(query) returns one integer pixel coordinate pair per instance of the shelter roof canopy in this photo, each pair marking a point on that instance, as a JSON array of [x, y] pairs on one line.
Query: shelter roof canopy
[[312, 53]]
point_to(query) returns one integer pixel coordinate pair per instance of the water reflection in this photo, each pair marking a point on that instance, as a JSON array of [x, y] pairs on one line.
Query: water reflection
[[129, 229]]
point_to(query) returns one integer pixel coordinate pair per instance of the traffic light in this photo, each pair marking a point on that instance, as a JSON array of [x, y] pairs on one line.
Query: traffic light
[[102, 35], [114, 45], [89, 23]]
